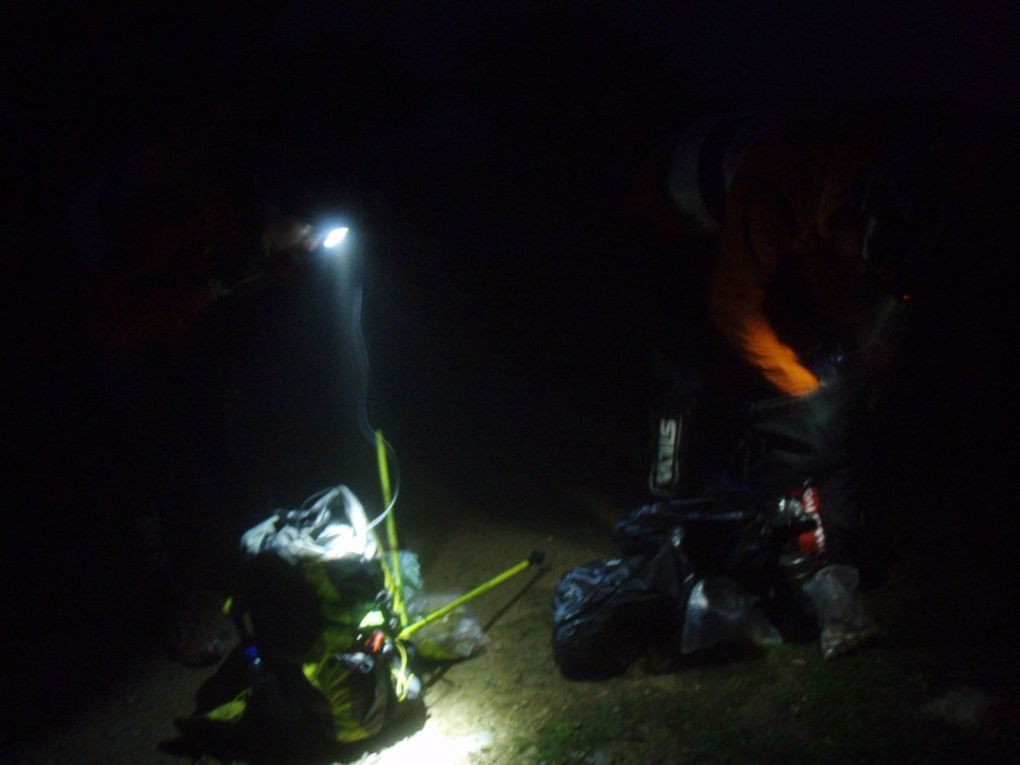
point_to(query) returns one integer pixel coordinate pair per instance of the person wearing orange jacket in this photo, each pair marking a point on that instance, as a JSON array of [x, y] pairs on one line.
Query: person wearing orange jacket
[[794, 209], [815, 221], [170, 231], [163, 237]]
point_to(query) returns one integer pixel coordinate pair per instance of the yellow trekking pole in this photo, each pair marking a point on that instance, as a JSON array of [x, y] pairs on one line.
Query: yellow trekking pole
[[391, 528], [536, 558]]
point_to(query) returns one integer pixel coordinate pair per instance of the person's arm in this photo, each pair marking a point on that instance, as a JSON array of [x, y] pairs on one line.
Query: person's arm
[[161, 310], [753, 239]]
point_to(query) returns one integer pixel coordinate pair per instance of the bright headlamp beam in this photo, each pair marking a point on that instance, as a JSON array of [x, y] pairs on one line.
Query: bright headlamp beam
[[335, 236]]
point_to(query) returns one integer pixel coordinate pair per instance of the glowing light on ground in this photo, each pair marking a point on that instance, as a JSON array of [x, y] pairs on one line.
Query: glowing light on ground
[[429, 747]]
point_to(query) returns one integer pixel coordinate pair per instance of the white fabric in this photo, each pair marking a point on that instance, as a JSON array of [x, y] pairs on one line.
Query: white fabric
[[317, 533]]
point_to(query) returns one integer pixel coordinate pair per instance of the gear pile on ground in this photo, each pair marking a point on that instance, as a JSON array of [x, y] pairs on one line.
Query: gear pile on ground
[[696, 573], [319, 645]]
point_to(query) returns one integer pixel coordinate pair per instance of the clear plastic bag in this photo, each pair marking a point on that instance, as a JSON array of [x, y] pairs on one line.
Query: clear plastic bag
[[458, 635], [720, 611], [842, 618], [410, 574]]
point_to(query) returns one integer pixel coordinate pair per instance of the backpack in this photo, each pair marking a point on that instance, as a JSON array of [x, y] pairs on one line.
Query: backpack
[[318, 626]]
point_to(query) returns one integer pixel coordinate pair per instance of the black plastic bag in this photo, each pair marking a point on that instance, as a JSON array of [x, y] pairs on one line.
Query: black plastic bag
[[723, 535], [649, 527], [607, 614]]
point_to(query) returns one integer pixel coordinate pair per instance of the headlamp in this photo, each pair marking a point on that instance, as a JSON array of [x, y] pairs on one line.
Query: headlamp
[[334, 237]]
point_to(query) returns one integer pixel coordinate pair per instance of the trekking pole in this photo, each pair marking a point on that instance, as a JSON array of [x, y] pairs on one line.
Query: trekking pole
[[537, 557], [391, 528]]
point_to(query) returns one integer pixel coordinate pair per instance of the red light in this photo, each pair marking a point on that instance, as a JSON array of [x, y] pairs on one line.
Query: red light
[[905, 297], [375, 641]]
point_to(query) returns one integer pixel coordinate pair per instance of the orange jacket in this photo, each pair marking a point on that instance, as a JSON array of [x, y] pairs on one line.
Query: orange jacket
[[781, 205], [161, 224]]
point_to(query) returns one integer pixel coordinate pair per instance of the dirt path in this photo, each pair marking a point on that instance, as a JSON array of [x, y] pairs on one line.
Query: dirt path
[[915, 697]]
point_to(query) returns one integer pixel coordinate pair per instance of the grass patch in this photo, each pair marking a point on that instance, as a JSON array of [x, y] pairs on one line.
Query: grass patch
[[789, 706], [608, 721]]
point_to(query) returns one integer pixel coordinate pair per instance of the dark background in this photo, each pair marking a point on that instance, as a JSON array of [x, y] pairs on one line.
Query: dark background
[[489, 153]]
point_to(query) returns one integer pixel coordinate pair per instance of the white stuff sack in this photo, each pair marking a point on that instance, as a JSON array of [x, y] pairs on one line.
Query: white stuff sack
[[334, 527]]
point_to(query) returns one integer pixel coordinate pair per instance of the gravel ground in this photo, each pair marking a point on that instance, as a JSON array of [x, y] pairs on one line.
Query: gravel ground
[[907, 699]]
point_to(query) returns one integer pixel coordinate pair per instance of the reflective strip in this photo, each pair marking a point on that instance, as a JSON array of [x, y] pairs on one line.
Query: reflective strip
[[232, 711]]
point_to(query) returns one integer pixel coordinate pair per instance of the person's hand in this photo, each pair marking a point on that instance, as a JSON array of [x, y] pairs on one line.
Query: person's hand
[[286, 234]]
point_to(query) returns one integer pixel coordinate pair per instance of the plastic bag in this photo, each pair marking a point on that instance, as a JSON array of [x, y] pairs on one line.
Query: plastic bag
[[722, 535], [719, 611], [607, 614], [334, 527], [458, 635], [410, 574], [843, 621]]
